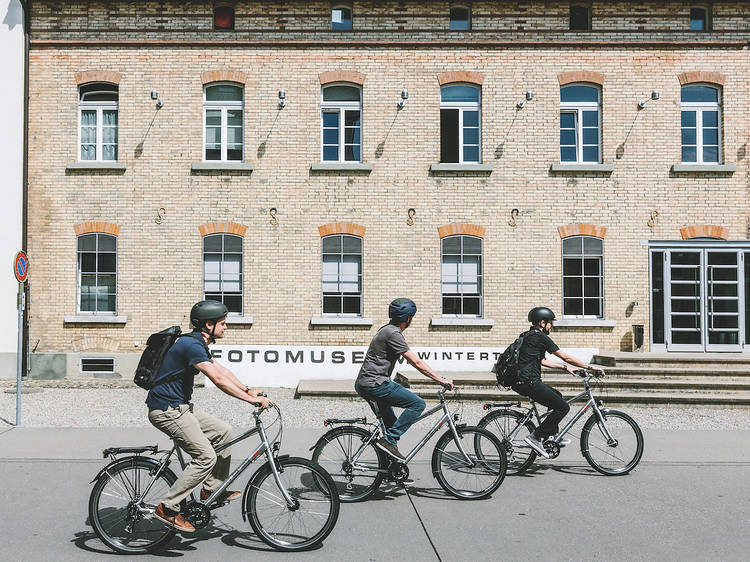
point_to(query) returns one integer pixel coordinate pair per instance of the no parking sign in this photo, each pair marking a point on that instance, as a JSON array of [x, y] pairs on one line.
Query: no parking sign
[[21, 266]]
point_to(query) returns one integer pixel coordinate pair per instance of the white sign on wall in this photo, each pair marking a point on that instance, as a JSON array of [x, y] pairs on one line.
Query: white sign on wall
[[286, 365]]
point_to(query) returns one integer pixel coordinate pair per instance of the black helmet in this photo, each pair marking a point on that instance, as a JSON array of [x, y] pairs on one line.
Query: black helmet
[[400, 310], [540, 313], [207, 310]]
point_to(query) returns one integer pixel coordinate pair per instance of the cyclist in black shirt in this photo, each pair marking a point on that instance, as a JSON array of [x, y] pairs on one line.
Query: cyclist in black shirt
[[536, 344]]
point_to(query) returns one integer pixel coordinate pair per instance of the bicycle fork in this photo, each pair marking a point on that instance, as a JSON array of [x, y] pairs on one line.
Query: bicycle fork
[[291, 503]]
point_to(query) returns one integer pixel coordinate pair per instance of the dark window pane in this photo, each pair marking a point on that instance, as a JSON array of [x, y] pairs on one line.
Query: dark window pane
[[232, 243], [471, 119], [471, 154], [591, 287], [233, 302], [710, 136], [106, 284], [685, 274], [685, 289], [351, 305], [451, 305], [689, 154], [572, 287], [332, 244], [592, 307], [212, 243], [711, 154], [572, 307], [590, 153], [472, 245], [330, 136], [88, 262], [352, 135], [579, 93], [590, 119], [224, 17], [688, 136], [568, 137], [688, 119], [340, 93], [449, 135], [107, 263], [657, 296], [351, 118], [591, 136], [332, 304], [567, 154], [592, 266], [330, 118], [573, 245], [567, 120], [685, 321], [352, 244], [459, 93], [87, 242], [459, 19], [572, 266], [452, 245], [710, 118], [223, 92], [579, 18], [341, 18], [698, 19], [699, 94], [471, 136], [330, 153], [107, 243], [471, 306], [592, 245], [234, 154], [213, 154], [352, 153], [686, 337]]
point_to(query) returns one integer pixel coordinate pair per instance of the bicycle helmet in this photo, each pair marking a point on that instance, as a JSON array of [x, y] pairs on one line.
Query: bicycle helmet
[[401, 309], [207, 310], [540, 313]]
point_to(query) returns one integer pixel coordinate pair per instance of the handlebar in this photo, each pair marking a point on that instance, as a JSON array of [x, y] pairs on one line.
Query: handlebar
[[588, 373]]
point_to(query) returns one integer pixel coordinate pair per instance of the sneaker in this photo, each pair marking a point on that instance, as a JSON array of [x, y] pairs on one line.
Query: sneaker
[[390, 449], [176, 521], [227, 496], [535, 444], [564, 442]]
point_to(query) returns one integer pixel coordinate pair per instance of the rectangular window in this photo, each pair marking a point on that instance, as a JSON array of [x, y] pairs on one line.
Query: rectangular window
[[342, 275], [461, 276], [580, 18], [97, 365], [222, 270], [583, 277], [97, 274]]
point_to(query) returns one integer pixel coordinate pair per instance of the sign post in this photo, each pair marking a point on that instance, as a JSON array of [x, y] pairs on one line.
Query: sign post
[[21, 271]]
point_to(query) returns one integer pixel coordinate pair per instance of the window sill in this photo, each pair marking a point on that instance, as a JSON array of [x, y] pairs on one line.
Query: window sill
[[575, 168], [340, 321], [450, 321], [442, 168], [704, 168], [221, 167], [95, 319], [584, 322], [93, 166], [240, 320], [343, 167]]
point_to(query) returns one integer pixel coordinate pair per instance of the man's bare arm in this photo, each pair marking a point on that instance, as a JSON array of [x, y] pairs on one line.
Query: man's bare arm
[[425, 369], [225, 380]]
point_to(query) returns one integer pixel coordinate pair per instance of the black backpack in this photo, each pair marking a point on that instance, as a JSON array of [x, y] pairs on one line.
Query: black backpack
[[157, 346], [506, 367]]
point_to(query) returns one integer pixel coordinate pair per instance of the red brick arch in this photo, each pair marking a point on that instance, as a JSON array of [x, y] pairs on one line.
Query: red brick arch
[[341, 76], [701, 76], [223, 75], [582, 230], [565, 78], [223, 228], [461, 228], [704, 230], [97, 226], [460, 76], [342, 228], [88, 76]]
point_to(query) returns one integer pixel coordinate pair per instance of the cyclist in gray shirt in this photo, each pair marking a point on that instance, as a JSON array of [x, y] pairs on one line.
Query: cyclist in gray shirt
[[374, 379]]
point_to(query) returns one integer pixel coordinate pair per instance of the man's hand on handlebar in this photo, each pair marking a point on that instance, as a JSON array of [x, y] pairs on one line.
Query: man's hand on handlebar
[[447, 383], [262, 402]]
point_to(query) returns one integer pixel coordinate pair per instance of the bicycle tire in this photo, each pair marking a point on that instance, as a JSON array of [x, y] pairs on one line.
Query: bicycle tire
[[334, 451], [119, 486], [501, 423], [629, 448], [452, 472], [310, 485]]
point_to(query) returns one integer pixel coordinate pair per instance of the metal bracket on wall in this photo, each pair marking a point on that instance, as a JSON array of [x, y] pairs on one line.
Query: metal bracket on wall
[[160, 215], [410, 220], [274, 221], [513, 214], [652, 221]]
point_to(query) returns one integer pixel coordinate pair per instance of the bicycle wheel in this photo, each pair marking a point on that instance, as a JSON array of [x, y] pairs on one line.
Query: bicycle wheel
[[119, 512], [354, 480], [307, 523], [501, 423], [481, 475], [618, 457]]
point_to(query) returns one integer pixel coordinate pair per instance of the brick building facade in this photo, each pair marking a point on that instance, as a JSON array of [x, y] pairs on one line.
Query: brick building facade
[[519, 140]]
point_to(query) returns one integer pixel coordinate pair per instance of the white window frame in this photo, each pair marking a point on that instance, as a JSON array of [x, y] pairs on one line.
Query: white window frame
[[700, 108], [468, 18], [224, 106], [577, 108], [359, 280], [79, 274], [241, 281], [460, 282], [341, 107], [100, 107], [583, 257], [343, 7], [465, 106]]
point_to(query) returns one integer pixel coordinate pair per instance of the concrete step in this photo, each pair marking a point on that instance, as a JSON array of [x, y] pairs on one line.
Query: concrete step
[[345, 389], [718, 361]]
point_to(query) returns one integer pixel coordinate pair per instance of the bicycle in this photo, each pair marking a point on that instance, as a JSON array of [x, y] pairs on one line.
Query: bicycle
[[611, 441], [468, 462], [291, 502]]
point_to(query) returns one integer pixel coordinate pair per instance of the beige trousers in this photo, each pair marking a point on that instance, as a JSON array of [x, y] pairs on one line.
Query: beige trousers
[[197, 434]]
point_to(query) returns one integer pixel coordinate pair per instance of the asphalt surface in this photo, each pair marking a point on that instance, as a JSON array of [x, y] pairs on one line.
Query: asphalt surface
[[689, 499]]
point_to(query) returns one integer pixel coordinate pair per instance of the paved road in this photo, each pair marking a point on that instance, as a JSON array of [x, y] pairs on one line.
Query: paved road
[[688, 500]]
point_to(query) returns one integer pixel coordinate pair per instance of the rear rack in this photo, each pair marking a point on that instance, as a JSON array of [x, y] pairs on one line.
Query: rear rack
[[129, 450], [331, 421], [490, 405]]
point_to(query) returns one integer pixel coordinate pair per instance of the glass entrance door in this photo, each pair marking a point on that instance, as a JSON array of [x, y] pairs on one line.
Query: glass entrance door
[[704, 300]]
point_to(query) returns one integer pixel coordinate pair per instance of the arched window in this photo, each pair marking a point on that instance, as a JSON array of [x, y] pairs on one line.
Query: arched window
[[580, 124], [583, 277], [461, 275], [223, 122], [341, 123], [460, 131], [222, 270], [700, 18], [341, 18], [97, 116], [701, 124], [460, 18], [97, 274], [342, 275]]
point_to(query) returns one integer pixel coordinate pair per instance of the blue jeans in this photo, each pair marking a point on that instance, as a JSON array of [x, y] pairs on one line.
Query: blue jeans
[[391, 394]]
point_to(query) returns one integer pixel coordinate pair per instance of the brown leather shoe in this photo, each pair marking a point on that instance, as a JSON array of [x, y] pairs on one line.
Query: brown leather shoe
[[227, 496], [176, 521]]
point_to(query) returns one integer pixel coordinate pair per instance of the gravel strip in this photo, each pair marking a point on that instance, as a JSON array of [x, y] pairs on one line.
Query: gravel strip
[[124, 407]]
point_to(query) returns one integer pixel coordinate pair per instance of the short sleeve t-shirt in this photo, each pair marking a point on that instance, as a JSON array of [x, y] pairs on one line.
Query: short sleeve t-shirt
[[187, 351], [385, 349], [536, 344]]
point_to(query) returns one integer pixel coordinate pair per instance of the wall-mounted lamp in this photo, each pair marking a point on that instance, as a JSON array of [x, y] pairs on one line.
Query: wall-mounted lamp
[[528, 97], [521, 104], [159, 104], [404, 97], [282, 99], [154, 95], [654, 96]]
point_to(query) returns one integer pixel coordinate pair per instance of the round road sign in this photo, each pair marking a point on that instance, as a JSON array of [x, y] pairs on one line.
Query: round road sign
[[21, 266]]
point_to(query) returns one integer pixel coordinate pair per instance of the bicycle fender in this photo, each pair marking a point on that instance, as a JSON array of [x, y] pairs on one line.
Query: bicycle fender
[[124, 460]]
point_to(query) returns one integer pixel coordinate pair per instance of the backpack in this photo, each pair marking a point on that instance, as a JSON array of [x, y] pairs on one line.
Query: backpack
[[152, 357], [506, 367]]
